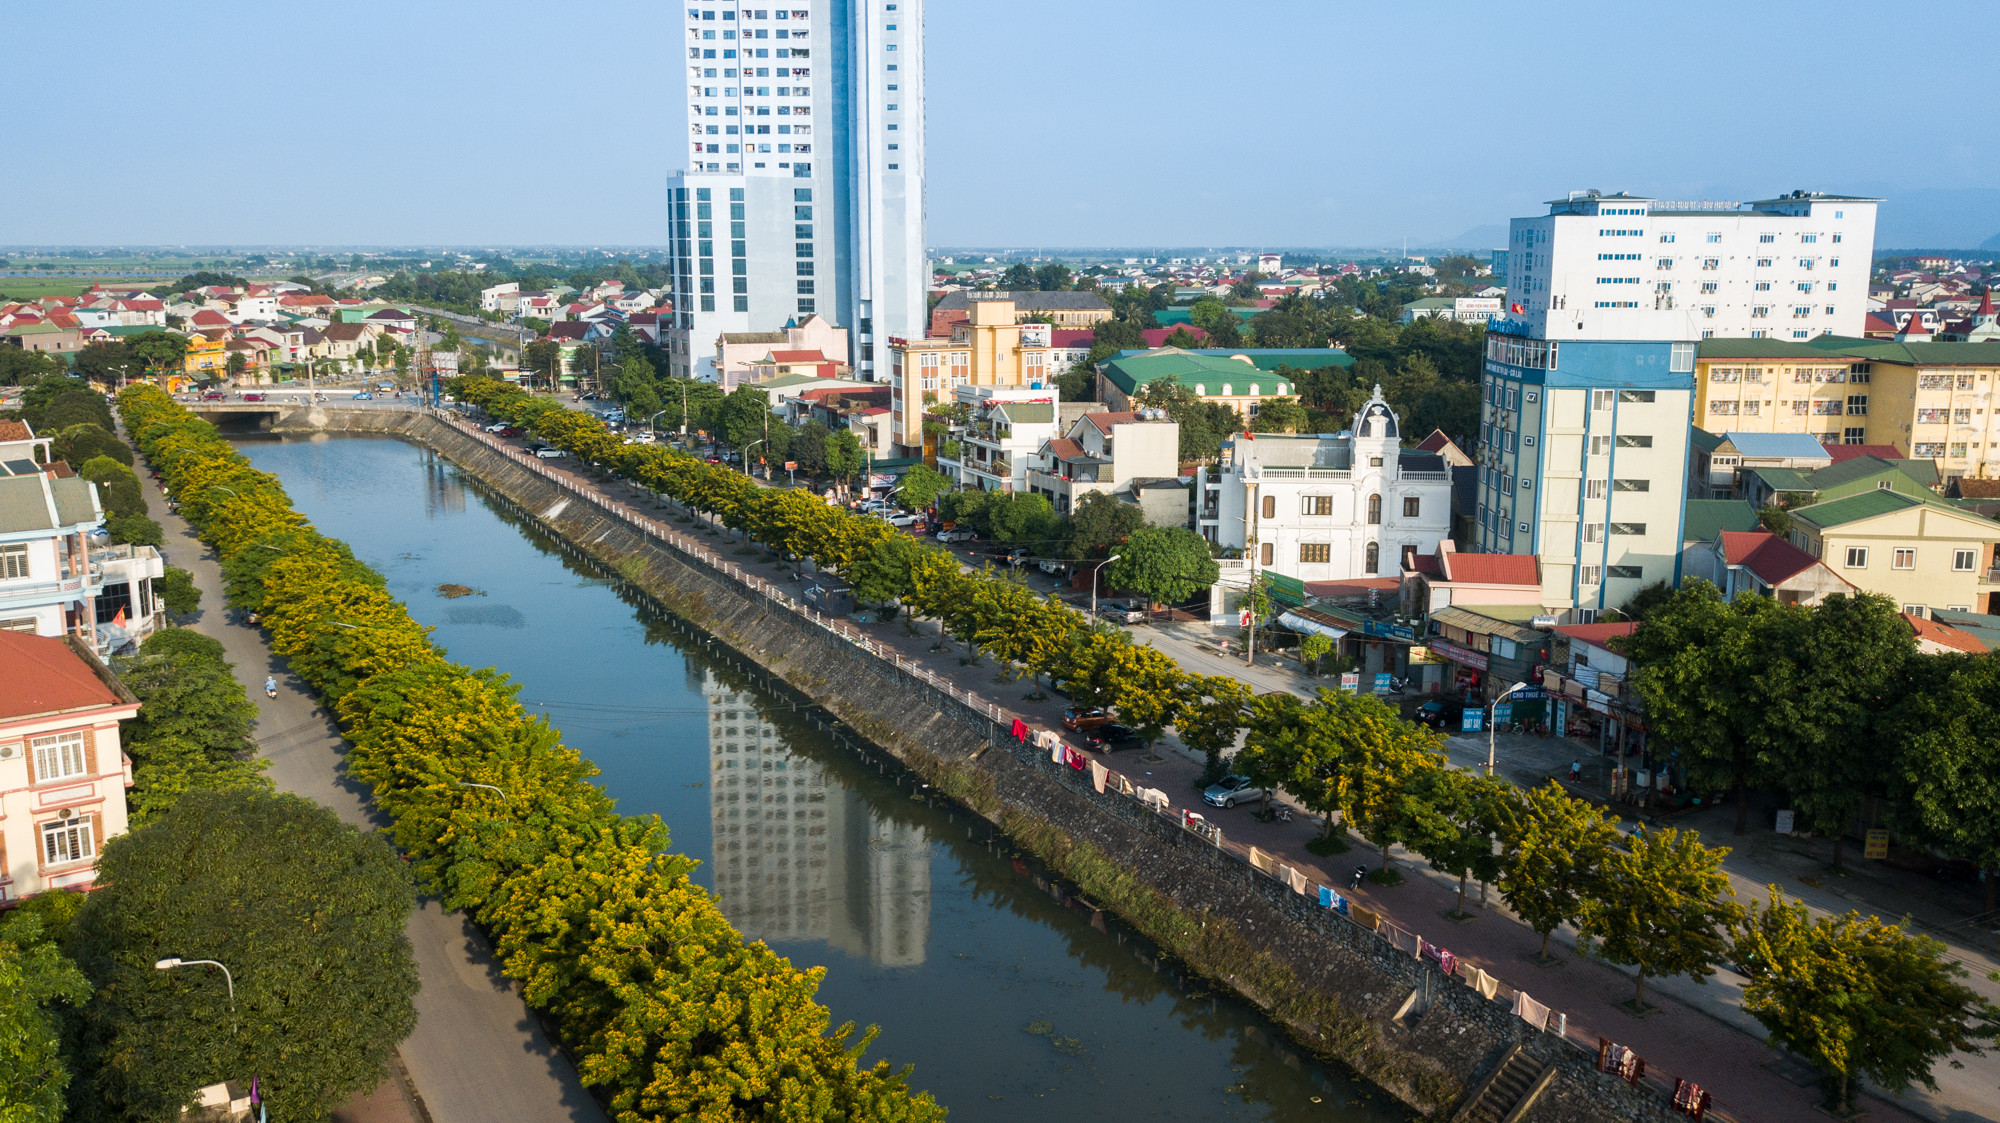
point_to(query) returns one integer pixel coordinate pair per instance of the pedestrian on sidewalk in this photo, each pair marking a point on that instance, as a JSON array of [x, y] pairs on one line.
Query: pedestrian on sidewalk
[[1575, 771]]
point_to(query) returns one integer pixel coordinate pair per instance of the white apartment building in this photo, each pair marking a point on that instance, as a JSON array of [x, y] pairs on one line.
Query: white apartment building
[[998, 445], [1633, 268], [49, 583], [805, 183], [1589, 381], [798, 856], [500, 298], [1108, 452], [1327, 507]]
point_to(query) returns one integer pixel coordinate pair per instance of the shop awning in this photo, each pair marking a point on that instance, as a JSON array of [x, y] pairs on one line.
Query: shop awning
[[1481, 624], [1307, 621]]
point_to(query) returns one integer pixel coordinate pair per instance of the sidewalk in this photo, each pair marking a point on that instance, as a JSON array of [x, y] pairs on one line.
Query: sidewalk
[[477, 1055], [1699, 1031]]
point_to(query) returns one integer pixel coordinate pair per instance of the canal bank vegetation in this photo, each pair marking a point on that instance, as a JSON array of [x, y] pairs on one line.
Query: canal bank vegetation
[[1656, 904], [667, 1010]]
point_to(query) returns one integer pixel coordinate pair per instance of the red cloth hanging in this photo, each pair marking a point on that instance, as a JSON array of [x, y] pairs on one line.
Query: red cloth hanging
[[1020, 730]]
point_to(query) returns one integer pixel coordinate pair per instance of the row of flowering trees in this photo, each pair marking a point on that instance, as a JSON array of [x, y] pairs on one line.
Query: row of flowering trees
[[667, 1009], [1657, 902]]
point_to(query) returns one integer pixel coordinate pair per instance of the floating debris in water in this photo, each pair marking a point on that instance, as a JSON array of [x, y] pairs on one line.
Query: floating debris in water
[[452, 591]]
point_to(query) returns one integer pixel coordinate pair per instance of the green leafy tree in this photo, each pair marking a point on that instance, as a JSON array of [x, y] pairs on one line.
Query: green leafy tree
[[1775, 519], [1167, 564], [920, 487], [134, 530], [35, 980], [79, 443], [1947, 775], [1211, 717], [1098, 523], [1855, 996], [1024, 519], [883, 572], [1697, 664], [1313, 648], [160, 351], [235, 365], [1553, 847], [845, 458], [109, 363], [177, 591], [809, 449], [187, 690], [1279, 415], [74, 407], [1454, 820], [746, 417], [307, 912], [118, 488], [1661, 904], [1831, 677]]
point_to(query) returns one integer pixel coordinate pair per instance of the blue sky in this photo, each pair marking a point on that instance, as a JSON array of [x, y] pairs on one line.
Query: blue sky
[[1084, 122]]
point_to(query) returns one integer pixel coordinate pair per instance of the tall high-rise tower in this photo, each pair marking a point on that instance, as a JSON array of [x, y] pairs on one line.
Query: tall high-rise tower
[[805, 184]]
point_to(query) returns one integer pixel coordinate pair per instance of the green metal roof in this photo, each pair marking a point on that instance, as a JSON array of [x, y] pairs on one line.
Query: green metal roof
[[1783, 479], [1867, 505], [1849, 349], [1131, 371], [1027, 413], [1704, 440], [1924, 472], [1297, 358], [1862, 470], [1174, 317], [1706, 518]]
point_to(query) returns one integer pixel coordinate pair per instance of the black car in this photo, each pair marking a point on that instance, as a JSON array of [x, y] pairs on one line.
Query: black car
[[1438, 715], [1110, 737]]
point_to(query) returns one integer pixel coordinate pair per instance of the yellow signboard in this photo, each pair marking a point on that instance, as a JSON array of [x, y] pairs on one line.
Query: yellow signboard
[[1878, 844]]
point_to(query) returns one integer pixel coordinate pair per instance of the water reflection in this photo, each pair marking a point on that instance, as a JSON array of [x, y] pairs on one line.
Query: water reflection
[[799, 856], [1011, 996]]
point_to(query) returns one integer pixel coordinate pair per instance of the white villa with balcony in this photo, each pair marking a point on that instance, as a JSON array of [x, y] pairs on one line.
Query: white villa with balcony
[[1110, 452], [1327, 506], [998, 443], [48, 582]]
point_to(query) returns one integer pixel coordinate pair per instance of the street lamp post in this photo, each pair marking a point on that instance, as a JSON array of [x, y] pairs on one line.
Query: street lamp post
[[489, 787], [746, 455], [1492, 711], [1095, 572], [228, 980]]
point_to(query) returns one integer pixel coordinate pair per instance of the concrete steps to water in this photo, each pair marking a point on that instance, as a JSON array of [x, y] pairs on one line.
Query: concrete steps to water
[[1508, 1091]]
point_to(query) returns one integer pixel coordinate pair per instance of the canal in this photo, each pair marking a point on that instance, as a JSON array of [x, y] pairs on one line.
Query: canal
[[1007, 996]]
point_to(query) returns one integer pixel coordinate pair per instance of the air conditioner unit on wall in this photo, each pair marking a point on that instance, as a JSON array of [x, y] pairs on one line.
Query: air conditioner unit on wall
[[7, 751]]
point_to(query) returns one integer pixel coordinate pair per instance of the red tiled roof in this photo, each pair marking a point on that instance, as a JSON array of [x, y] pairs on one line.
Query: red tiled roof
[[1073, 337], [568, 329], [1063, 448], [1944, 635], [1492, 569], [1351, 586], [876, 411], [812, 356], [1843, 453], [209, 317], [1763, 553], [15, 431], [1436, 442], [43, 676], [1597, 635], [1157, 337], [1106, 421]]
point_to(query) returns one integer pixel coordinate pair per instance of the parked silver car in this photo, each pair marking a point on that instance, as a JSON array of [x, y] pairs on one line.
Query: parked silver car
[[1230, 791]]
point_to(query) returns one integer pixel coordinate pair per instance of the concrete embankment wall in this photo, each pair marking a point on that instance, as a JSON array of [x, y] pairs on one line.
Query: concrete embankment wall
[[1339, 989]]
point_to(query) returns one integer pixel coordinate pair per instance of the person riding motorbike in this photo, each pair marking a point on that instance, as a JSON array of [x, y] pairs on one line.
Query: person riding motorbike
[[270, 687]]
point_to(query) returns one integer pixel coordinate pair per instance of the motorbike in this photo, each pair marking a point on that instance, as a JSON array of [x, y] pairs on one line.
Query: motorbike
[[270, 688]]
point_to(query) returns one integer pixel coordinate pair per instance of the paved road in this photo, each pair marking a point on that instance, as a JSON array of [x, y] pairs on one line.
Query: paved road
[[477, 1056]]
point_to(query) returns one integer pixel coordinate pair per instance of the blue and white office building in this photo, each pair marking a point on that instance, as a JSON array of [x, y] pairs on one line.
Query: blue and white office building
[[805, 184], [1588, 391]]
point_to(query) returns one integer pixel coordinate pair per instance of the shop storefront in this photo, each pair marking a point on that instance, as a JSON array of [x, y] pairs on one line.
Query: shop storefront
[[1485, 655]]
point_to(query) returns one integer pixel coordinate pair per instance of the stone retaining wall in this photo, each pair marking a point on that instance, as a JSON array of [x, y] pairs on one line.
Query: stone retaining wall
[[1345, 992]]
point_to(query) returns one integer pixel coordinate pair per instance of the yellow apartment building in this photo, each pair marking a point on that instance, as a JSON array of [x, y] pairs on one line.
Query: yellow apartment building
[[1919, 551], [988, 349], [1932, 401]]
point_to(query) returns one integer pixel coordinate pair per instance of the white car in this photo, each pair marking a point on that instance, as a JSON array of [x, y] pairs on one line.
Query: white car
[[550, 453], [498, 425], [955, 535], [901, 518]]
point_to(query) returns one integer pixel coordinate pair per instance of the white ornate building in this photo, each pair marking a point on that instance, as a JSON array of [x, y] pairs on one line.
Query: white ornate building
[[1328, 506]]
